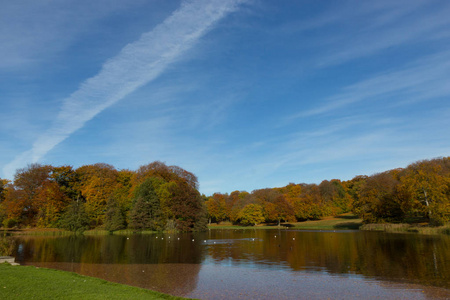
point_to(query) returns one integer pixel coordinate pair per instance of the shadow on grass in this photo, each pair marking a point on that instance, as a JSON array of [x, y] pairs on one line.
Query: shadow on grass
[[347, 217], [348, 225]]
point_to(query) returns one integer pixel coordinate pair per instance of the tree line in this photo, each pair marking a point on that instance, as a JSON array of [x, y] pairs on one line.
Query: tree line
[[418, 193], [155, 197], [160, 197], [294, 202]]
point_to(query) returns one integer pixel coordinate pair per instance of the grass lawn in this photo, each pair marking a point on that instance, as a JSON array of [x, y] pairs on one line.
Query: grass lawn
[[27, 282], [346, 221]]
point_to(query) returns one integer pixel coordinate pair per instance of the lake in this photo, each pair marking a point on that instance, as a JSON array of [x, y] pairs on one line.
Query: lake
[[256, 264]]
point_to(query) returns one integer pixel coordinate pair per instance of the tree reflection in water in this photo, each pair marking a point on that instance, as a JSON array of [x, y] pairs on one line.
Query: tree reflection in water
[[166, 265], [172, 265]]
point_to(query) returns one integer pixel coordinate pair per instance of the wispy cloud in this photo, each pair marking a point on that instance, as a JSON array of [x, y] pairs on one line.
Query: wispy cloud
[[382, 12], [354, 29], [137, 64], [389, 30], [33, 31], [422, 80]]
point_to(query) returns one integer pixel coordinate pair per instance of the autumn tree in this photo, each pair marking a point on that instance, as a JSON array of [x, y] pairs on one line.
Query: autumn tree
[[122, 192], [51, 201], [280, 209], [96, 184], [378, 199], [354, 187], [234, 203], [334, 196], [28, 183], [425, 188], [3, 192], [309, 205], [251, 214], [216, 206], [181, 203]]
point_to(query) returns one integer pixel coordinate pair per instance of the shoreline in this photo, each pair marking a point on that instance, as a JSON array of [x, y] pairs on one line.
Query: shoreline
[[342, 222]]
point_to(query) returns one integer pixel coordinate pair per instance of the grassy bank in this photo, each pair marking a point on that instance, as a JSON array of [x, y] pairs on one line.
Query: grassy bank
[[347, 221], [20, 282], [407, 228]]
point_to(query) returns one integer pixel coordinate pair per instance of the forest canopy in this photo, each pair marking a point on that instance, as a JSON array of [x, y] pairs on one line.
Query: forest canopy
[[418, 193], [161, 197], [155, 197]]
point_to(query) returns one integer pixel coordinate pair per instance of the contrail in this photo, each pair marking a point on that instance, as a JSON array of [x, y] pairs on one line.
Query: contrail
[[137, 64]]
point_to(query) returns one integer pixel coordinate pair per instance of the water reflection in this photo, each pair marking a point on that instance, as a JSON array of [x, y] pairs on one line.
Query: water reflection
[[394, 257], [168, 265], [171, 263]]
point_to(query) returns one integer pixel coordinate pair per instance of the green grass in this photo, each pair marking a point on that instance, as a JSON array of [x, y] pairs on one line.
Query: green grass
[[346, 221], [27, 282], [242, 227]]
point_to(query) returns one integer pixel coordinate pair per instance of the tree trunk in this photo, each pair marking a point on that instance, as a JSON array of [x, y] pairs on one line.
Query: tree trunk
[[427, 203]]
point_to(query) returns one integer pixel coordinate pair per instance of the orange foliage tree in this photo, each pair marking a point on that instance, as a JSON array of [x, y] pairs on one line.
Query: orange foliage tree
[[217, 208], [97, 183]]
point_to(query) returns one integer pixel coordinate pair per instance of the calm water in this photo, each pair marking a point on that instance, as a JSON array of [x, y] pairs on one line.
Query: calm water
[[257, 264]]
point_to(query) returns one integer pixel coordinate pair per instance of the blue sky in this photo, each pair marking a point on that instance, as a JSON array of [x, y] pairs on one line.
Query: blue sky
[[245, 94]]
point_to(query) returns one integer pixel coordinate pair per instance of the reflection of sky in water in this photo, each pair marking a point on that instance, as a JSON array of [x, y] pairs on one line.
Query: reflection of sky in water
[[242, 282]]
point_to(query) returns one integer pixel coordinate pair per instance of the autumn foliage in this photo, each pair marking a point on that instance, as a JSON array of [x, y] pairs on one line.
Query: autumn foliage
[[417, 193], [98, 195], [161, 197]]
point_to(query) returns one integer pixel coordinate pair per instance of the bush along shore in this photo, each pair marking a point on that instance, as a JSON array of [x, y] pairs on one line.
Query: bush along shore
[[407, 228], [27, 282]]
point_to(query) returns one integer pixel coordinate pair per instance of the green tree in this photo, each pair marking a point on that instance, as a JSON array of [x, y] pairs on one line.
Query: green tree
[[187, 207], [75, 218], [114, 216], [146, 212], [3, 189]]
